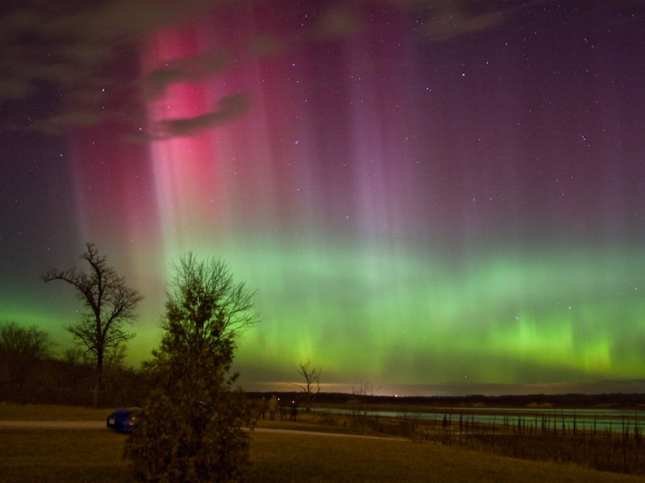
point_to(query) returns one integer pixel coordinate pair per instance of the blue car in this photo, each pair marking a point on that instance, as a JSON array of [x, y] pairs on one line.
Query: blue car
[[124, 420]]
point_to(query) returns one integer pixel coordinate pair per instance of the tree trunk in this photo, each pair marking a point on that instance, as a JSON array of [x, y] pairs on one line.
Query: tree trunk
[[98, 387]]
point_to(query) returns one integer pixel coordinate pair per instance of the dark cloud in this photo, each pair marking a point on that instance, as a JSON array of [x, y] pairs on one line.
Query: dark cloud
[[189, 69], [58, 123], [228, 108], [71, 48], [338, 21], [266, 45], [76, 49], [454, 23], [448, 19], [12, 88]]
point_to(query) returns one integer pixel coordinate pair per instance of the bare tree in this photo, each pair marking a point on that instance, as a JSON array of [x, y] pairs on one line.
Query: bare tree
[[311, 376], [110, 305]]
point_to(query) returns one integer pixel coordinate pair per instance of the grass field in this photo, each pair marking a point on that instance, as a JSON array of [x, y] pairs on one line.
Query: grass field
[[96, 455], [88, 456], [51, 412], [44, 412]]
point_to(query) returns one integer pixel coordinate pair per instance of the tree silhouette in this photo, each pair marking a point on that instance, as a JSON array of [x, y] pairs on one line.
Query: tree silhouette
[[110, 305], [192, 421], [21, 349], [311, 376]]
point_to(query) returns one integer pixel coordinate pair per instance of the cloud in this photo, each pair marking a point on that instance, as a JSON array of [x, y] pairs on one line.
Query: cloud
[[67, 47], [337, 21], [70, 49], [451, 24], [189, 69], [228, 108], [12, 88], [58, 123], [448, 19]]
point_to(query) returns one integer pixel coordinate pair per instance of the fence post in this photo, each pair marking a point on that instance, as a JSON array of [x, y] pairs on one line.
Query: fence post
[[574, 423]]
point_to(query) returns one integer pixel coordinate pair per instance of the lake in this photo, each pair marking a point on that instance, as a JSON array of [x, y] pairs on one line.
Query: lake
[[615, 420]]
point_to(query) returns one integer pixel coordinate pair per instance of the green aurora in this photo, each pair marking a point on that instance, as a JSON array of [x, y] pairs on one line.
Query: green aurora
[[505, 317], [458, 209]]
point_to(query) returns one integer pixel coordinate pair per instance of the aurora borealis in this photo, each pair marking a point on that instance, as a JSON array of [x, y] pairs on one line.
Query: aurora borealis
[[412, 208]]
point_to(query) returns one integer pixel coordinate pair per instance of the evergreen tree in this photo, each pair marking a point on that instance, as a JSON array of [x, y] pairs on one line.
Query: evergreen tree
[[192, 421]]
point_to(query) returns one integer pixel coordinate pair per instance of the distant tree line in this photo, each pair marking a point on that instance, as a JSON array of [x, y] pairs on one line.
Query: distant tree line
[[538, 401], [32, 372]]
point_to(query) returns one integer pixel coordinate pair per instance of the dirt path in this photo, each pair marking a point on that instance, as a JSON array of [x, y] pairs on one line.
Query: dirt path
[[12, 424]]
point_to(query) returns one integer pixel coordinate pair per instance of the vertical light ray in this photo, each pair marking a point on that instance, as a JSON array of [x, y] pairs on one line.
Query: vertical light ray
[[376, 199]]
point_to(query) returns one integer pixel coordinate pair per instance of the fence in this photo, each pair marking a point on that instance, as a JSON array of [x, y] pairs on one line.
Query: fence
[[605, 441]]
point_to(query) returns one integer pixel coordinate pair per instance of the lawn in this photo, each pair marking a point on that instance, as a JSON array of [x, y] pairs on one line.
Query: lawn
[[51, 412], [96, 455], [92, 455]]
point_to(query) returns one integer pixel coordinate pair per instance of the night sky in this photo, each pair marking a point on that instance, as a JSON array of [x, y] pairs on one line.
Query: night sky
[[428, 194]]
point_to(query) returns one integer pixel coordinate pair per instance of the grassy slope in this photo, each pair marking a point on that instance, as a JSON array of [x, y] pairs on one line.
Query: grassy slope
[[96, 456], [51, 412], [44, 412], [75, 456]]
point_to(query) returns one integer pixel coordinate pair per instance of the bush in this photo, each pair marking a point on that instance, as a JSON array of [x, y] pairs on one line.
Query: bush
[[192, 421]]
